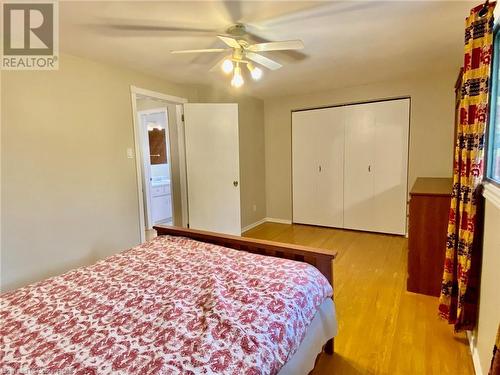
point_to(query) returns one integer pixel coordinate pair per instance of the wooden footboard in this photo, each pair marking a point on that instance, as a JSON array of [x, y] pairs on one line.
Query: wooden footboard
[[319, 258]]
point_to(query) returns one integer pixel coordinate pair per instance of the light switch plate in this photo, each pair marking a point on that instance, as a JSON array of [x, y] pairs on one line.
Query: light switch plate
[[130, 153]]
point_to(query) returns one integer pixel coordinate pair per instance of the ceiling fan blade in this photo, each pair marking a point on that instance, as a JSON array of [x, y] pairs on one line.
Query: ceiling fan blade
[[211, 50], [264, 61], [159, 28], [208, 59], [290, 55], [144, 28], [276, 46], [324, 9], [233, 8], [231, 42], [219, 63]]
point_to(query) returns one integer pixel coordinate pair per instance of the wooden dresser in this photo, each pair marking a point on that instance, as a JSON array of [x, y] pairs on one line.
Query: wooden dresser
[[428, 222]]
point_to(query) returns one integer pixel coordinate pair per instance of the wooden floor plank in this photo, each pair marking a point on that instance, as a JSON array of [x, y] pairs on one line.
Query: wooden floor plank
[[383, 329]]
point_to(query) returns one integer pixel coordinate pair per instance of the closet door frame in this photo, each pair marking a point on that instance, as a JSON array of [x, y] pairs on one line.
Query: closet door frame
[[345, 105]]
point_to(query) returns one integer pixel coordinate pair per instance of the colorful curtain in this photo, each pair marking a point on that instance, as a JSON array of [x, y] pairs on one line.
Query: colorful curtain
[[458, 300]]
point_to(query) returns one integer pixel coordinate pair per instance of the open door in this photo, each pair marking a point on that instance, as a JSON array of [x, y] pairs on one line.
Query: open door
[[212, 167]]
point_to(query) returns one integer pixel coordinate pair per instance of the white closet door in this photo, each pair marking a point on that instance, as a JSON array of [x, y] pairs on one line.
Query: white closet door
[[317, 166], [358, 176], [390, 165], [330, 151], [304, 167], [376, 166]]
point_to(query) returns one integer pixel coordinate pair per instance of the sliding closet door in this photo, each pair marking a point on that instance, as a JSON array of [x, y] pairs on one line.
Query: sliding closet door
[[391, 166], [358, 172], [305, 166], [317, 166], [376, 157]]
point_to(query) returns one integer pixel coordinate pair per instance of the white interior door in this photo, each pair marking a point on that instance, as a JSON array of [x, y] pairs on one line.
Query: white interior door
[[212, 167], [317, 166]]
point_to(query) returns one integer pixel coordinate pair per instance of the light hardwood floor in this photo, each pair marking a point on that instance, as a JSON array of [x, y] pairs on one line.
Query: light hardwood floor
[[383, 329]]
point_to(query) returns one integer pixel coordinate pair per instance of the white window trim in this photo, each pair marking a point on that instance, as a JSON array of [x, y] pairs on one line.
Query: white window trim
[[491, 193]]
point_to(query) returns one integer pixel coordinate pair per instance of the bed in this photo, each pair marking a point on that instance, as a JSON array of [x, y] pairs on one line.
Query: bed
[[187, 302]]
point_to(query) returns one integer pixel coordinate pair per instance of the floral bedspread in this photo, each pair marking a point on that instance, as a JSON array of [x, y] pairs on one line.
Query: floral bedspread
[[170, 306]]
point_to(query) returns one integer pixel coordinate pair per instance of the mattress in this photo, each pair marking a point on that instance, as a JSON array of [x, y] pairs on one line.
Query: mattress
[[172, 305], [322, 328]]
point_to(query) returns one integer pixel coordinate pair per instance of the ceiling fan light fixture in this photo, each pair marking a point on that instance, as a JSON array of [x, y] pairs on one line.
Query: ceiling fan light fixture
[[237, 80], [227, 66], [255, 72]]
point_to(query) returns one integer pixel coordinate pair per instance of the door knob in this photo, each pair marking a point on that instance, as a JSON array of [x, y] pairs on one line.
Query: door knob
[[235, 183]]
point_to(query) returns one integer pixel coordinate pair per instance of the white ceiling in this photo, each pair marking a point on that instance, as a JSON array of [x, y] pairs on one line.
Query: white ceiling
[[346, 43]]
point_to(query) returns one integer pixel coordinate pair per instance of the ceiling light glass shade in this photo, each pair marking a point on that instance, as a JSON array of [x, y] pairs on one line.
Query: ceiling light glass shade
[[237, 80], [256, 73], [227, 66]]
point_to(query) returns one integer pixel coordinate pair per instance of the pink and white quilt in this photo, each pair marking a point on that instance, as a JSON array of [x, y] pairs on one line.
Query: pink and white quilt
[[170, 306]]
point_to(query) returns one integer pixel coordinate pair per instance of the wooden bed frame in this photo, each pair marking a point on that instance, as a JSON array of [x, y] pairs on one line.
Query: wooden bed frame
[[319, 258]]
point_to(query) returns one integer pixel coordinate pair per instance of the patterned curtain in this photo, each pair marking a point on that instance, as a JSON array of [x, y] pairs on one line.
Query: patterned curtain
[[458, 300]]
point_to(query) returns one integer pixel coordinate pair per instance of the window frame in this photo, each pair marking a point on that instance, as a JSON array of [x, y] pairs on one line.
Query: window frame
[[490, 127]]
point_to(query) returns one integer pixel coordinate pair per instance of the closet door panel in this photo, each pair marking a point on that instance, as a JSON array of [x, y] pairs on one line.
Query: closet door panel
[[390, 164], [317, 167], [358, 177], [305, 166], [330, 151]]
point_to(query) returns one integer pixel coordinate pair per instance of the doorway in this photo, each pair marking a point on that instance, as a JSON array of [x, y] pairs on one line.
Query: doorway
[[160, 160], [157, 175], [200, 151]]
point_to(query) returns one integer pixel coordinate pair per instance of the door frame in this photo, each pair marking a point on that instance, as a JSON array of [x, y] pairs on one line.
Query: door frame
[[135, 93]]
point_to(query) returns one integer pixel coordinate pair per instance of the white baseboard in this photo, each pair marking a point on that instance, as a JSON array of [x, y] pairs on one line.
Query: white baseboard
[[475, 355], [279, 221], [265, 220], [253, 225]]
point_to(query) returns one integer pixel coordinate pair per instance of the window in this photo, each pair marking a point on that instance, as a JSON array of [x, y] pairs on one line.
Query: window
[[493, 149]]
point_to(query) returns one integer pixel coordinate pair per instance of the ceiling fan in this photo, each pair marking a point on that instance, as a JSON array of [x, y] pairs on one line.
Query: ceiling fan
[[244, 40], [245, 53]]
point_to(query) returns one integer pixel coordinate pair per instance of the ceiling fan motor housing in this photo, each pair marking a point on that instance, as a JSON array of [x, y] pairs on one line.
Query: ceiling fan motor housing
[[238, 29]]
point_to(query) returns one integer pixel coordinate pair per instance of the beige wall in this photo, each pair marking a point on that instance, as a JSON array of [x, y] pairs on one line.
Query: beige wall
[[489, 304], [69, 192], [252, 151], [431, 129]]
